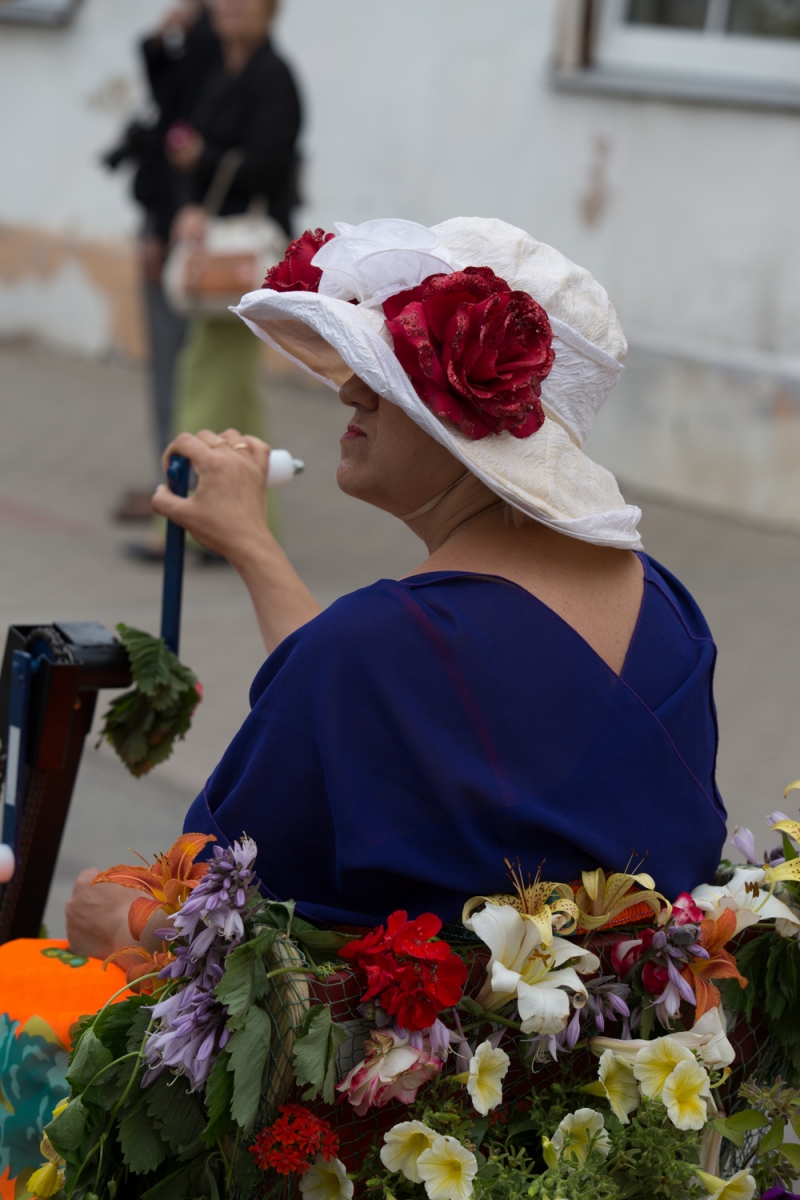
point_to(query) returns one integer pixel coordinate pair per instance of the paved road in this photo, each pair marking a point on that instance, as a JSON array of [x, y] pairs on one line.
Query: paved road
[[73, 434]]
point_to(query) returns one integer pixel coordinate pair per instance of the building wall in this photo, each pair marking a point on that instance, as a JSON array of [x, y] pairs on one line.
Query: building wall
[[685, 212]]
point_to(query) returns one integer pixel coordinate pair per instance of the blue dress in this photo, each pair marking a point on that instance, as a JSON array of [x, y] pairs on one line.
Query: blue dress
[[416, 734]]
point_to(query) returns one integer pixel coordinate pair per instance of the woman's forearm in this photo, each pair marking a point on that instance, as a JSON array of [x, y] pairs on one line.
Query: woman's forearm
[[281, 600]]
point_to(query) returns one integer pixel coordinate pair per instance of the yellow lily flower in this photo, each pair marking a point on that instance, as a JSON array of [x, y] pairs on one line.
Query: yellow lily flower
[[447, 1169], [791, 868], [487, 1070], [548, 906], [602, 898], [46, 1181], [656, 1061], [739, 1187], [683, 1096], [402, 1146], [574, 1134], [549, 1153]]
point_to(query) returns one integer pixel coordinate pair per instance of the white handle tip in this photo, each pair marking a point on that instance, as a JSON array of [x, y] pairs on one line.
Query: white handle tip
[[7, 863]]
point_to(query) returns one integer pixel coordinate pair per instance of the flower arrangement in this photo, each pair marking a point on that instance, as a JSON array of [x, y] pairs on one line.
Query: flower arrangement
[[568, 1040]]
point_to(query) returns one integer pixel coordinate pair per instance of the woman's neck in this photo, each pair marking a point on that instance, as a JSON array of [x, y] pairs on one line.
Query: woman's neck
[[236, 53]]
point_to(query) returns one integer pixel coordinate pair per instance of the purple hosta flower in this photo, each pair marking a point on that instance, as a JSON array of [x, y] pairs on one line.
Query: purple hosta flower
[[607, 1001], [190, 1032], [190, 1024], [677, 946], [779, 1193], [220, 898], [745, 843]]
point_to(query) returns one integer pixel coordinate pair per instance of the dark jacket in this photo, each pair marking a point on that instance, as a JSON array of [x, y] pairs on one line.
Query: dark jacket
[[177, 76], [257, 112]]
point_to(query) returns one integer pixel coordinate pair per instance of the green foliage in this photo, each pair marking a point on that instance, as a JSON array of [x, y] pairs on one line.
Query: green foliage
[[219, 1093], [770, 1159], [143, 724], [771, 964], [142, 1148], [315, 1053], [248, 1050], [177, 1113], [245, 979]]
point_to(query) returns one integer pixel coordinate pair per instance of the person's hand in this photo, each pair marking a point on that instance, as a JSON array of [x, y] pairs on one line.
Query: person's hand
[[97, 916], [227, 511], [190, 225]]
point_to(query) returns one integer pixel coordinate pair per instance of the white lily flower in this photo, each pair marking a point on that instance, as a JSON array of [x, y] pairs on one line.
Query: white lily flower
[[747, 893], [487, 1070], [522, 968]]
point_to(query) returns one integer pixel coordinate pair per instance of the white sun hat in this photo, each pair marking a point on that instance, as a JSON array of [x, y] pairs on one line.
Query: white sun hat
[[340, 330]]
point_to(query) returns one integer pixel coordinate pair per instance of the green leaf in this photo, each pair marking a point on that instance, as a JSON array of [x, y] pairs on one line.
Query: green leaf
[[90, 1056], [648, 1020], [733, 1135], [315, 1053], [176, 1112], [789, 851], [773, 1137], [140, 1023], [248, 1049], [746, 1120], [245, 978], [791, 1152], [176, 1186], [219, 1092], [142, 1148], [66, 1130]]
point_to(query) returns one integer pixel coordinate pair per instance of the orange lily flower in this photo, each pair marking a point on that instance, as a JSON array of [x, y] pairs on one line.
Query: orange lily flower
[[720, 963], [168, 881], [152, 962]]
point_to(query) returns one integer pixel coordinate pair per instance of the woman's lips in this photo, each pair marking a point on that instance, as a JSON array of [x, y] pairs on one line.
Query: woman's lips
[[351, 432]]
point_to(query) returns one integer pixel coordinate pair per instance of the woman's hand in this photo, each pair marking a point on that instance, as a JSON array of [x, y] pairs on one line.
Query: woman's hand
[[227, 511], [97, 916], [190, 225], [227, 514]]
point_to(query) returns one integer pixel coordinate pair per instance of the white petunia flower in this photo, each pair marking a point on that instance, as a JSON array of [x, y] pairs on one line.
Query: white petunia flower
[[739, 1187], [683, 1096], [447, 1169], [656, 1061], [620, 1085], [487, 1070], [402, 1146], [577, 1130], [326, 1181]]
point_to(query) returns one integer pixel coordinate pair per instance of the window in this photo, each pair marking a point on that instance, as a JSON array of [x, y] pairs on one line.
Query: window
[[745, 51], [37, 12]]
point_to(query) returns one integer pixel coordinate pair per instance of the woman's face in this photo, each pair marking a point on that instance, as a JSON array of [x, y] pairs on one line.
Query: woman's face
[[241, 20], [387, 459]]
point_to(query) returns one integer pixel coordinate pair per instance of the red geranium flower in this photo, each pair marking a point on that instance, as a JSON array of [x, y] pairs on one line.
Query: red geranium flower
[[295, 273], [412, 976], [475, 351]]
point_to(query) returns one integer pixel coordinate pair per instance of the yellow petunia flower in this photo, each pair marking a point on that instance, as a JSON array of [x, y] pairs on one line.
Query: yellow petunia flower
[[46, 1181], [402, 1146], [740, 1187], [326, 1181], [487, 1070], [619, 1085], [573, 1135], [656, 1061], [447, 1169], [683, 1093]]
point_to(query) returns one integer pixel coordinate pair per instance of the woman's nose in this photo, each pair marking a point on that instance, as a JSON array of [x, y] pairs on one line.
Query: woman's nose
[[357, 394]]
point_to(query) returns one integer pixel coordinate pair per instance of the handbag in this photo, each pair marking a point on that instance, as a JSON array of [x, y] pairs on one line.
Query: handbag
[[205, 280]]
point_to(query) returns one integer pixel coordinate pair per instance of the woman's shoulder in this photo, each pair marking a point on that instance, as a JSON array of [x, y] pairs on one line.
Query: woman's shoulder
[[677, 597]]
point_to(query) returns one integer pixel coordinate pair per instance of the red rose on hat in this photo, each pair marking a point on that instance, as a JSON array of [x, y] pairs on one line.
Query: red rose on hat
[[475, 351], [295, 273]]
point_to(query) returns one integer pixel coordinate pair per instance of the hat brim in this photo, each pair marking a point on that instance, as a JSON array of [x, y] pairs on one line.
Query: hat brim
[[546, 476]]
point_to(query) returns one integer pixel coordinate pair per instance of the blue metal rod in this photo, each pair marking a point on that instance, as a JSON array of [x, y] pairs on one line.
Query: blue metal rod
[[178, 480], [16, 740]]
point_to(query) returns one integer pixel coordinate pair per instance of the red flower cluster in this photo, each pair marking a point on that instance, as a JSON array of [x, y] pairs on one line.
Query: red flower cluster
[[475, 351], [295, 273], [413, 977], [291, 1143]]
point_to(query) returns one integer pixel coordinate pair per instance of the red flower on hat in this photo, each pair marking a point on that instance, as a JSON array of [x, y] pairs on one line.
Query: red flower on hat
[[475, 351], [295, 273], [412, 976]]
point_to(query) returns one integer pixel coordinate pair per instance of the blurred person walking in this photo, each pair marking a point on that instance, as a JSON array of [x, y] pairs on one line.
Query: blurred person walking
[[178, 58], [244, 132]]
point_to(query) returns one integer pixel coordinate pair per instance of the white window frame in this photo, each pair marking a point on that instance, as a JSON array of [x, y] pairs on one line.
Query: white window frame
[[711, 53]]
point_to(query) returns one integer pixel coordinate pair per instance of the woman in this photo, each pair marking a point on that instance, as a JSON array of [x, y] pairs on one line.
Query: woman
[[249, 106], [538, 689]]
